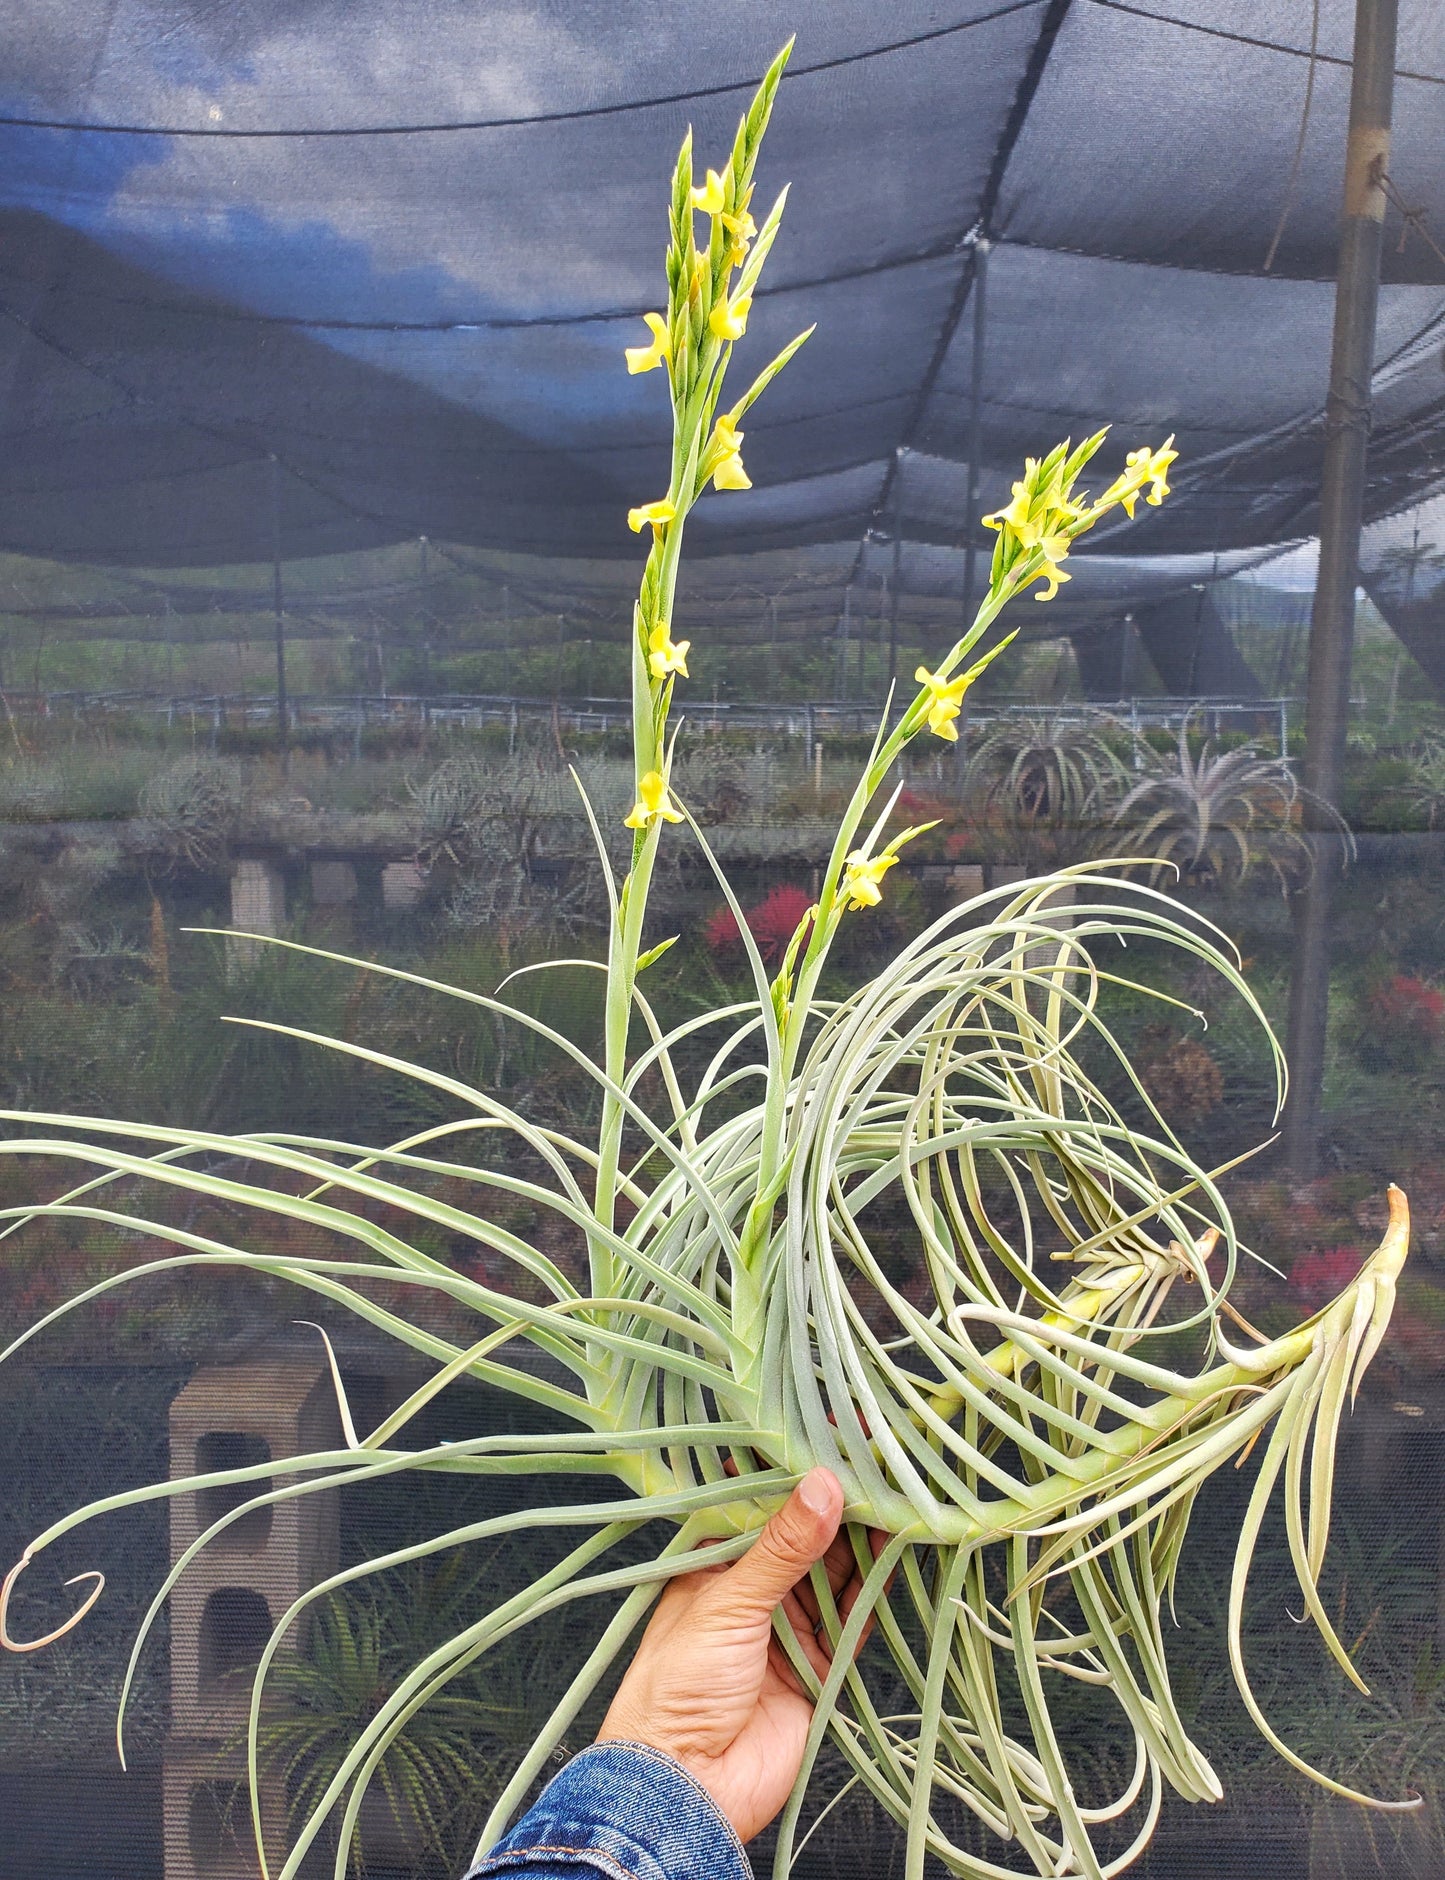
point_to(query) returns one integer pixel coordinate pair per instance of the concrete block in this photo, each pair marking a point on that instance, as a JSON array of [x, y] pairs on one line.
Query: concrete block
[[965, 880], [258, 905], [402, 885], [1056, 911], [206, 1810], [229, 1598]]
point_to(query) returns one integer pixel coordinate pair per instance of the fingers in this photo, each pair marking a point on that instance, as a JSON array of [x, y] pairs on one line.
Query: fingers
[[839, 1563], [797, 1536]]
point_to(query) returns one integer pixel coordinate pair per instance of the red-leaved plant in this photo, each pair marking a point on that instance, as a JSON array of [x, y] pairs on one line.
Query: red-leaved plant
[[772, 923], [1318, 1277], [1404, 1018]]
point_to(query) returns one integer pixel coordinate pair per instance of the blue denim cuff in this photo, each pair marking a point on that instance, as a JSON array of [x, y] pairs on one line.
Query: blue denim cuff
[[626, 1811]]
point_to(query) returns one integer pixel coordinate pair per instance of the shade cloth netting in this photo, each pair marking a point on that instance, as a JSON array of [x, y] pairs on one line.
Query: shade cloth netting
[[399, 245]]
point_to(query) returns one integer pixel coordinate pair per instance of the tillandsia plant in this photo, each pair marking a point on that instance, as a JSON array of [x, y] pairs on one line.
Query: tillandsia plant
[[1031, 1466], [1211, 820]]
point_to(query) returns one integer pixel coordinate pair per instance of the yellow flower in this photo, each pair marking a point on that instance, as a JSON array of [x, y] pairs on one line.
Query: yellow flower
[[659, 514], [861, 877], [1037, 519], [652, 802], [729, 318], [862, 873], [730, 475], [644, 358], [1053, 574], [1016, 516], [664, 655], [945, 696], [1141, 467], [726, 450], [709, 199], [741, 228], [1155, 468], [1040, 508]]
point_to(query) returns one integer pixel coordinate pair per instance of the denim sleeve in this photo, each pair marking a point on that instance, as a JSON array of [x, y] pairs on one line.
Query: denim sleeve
[[624, 1811]]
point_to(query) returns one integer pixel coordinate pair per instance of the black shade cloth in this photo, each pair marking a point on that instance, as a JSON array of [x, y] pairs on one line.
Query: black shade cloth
[[401, 247]]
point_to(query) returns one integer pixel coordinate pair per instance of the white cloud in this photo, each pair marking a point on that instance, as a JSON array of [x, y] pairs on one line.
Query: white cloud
[[493, 209]]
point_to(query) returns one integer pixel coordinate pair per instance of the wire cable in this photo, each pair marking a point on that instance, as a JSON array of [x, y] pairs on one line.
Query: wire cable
[[573, 115]]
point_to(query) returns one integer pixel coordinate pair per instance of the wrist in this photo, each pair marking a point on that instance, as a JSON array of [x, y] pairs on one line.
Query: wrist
[[634, 1730], [632, 1812]]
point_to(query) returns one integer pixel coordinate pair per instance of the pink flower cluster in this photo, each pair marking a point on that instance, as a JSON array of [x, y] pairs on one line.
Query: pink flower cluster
[[772, 923], [1322, 1276], [1406, 1004]]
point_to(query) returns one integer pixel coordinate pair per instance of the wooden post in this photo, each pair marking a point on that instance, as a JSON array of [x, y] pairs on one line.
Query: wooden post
[[1332, 620], [975, 425], [277, 603]]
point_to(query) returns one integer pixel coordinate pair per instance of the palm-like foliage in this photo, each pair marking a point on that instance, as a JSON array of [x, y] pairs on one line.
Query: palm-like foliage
[[361, 1643], [1425, 789], [1215, 817], [1032, 1466], [322, 1700], [192, 807]]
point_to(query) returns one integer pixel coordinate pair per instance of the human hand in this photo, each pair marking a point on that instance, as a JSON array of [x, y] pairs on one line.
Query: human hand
[[711, 1685]]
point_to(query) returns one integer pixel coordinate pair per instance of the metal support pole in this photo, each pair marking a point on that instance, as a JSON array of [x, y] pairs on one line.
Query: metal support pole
[[862, 647], [283, 728], [426, 680], [1332, 620], [975, 425], [894, 585]]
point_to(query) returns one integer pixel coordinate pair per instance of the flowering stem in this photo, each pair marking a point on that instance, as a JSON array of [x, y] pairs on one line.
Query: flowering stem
[[697, 360]]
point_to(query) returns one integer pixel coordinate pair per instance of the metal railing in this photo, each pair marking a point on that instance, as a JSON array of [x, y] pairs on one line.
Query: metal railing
[[811, 721]]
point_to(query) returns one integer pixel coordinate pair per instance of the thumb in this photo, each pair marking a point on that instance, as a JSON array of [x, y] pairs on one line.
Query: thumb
[[796, 1537]]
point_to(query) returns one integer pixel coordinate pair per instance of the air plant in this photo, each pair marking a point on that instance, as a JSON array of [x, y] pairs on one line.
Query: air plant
[[1031, 1465], [1210, 820], [1051, 768], [1048, 782], [1424, 790], [191, 807]]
